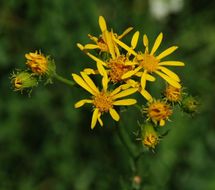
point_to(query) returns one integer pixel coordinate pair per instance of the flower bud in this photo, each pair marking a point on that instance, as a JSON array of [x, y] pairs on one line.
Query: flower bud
[[149, 136], [23, 80], [136, 182], [39, 64], [158, 111], [190, 105], [173, 94]]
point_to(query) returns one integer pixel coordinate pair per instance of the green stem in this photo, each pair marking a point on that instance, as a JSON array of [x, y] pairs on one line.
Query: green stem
[[64, 80], [132, 152], [125, 139]]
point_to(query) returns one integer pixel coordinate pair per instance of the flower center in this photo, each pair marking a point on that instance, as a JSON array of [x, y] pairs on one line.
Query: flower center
[[103, 101], [148, 62], [159, 110], [118, 68]]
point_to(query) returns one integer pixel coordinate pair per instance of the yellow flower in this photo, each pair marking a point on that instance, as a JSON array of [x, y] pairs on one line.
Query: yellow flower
[[23, 80], [103, 101], [173, 94], [149, 136], [115, 68], [102, 42], [148, 62], [37, 62], [158, 111]]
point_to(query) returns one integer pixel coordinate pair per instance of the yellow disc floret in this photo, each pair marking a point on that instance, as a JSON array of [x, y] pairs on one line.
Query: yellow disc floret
[[118, 68], [148, 62], [103, 101]]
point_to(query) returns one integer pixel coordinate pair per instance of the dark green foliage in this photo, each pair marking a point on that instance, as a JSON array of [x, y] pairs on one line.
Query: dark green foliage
[[45, 144]]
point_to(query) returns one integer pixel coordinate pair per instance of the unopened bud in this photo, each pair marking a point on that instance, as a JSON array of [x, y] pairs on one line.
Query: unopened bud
[[190, 105], [23, 80]]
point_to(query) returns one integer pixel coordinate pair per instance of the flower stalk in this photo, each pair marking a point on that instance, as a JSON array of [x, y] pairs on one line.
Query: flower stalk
[[63, 80]]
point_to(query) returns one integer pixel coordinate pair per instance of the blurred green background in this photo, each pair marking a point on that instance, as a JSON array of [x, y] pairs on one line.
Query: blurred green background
[[45, 144]]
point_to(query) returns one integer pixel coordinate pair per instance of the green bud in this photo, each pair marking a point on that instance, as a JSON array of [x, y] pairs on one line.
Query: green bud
[[149, 136], [23, 80], [190, 105]]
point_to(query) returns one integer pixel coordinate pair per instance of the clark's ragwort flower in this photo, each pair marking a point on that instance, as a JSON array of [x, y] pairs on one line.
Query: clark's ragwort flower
[[148, 63], [105, 42], [104, 100]]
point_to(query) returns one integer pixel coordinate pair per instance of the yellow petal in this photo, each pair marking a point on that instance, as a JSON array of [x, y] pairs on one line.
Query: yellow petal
[[102, 23], [100, 68], [27, 56], [90, 71], [91, 46], [170, 73], [132, 83], [94, 118], [127, 48], [99, 119], [115, 91], [167, 52], [169, 80], [125, 102], [125, 33], [146, 42], [150, 77], [109, 43], [95, 58], [89, 82], [162, 122], [125, 93], [82, 83], [125, 86], [146, 95], [171, 63], [143, 79], [157, 43], [130, 63], [80, 46], [130, 73], [114, 114], [93, 38], [82, 102], [134, 39], [105, 82]]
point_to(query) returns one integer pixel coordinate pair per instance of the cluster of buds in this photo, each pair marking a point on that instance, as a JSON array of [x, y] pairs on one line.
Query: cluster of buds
[[39, 68], [157, 112]]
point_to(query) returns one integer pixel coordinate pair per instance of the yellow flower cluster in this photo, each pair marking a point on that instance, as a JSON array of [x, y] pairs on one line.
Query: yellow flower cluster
[[124, 70]]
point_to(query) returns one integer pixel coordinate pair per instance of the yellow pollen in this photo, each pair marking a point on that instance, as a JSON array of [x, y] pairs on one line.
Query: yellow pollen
[[103, 102], [173, 94], [150, 140], [118, 68], [148, 62], [159, 111]]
